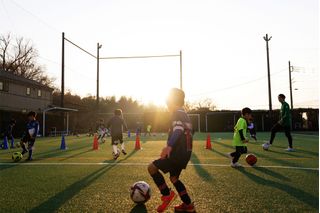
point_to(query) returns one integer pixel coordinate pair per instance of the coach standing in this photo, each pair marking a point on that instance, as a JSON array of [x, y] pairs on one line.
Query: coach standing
[[283, 124]]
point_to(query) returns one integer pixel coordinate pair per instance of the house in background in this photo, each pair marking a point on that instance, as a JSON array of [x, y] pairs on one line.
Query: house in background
[[18, 94]]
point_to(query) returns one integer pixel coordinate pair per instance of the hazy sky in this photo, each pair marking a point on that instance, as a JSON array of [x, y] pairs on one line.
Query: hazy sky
[[224, 55]]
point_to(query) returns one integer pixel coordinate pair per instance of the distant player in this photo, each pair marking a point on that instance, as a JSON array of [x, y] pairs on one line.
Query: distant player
[[175, 156], [239, 137], [284, 123], [116, 125], [148, 132], [30, 135], [9, 130], [252, 131], [102, 131]]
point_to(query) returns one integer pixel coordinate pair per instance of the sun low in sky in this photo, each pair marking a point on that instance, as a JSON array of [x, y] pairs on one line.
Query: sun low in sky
[[224, 55]]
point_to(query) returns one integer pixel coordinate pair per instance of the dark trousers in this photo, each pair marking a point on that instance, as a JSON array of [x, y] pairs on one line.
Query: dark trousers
[[239, 151], [278, 127]]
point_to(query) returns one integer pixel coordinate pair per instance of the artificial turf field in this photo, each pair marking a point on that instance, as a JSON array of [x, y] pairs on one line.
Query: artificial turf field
[[72, 180]]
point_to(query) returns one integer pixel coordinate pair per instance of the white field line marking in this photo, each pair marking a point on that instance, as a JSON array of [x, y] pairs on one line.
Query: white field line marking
[[145, 164]]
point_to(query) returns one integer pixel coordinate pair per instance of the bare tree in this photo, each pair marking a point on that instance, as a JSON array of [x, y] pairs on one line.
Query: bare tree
[[200, 104], [18, 56]]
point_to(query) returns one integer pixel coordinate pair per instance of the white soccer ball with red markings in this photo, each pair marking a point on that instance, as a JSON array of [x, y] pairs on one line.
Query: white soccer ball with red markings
[[140, 192]]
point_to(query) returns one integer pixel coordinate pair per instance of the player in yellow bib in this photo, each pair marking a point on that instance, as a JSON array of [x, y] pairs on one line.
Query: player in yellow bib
[[239, 136]]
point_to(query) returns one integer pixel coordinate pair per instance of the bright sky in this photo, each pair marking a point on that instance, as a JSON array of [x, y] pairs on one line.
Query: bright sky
[[224, 55]]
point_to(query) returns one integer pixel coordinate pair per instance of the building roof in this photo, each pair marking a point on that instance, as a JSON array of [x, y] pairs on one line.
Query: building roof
[[16, 78]]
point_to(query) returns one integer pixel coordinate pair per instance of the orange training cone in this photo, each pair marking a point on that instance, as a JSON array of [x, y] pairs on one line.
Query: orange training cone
[[137, 146], [208, 145], [95, 142]]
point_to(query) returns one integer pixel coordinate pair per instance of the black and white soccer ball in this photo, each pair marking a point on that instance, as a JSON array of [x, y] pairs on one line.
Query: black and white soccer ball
[[16, 156], [140, 192]]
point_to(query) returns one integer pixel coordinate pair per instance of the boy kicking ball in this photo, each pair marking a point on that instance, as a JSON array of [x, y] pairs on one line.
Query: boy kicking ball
[[30, 135], [239, 137], [116, 125], [175, 156]]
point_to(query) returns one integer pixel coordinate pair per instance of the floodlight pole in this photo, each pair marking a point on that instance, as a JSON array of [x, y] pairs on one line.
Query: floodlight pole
[[290, 84], [180, 69], [62, 73], [267, 39], [98, 47]]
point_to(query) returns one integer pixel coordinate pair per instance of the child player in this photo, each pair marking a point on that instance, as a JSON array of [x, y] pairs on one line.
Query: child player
[[175, 156], [30, 135], [101, 131], [116, 124], [239, 137]]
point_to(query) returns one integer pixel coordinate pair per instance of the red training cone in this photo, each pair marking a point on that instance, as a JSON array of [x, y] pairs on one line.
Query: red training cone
[[95, 142], [208, 144], [137, 146]]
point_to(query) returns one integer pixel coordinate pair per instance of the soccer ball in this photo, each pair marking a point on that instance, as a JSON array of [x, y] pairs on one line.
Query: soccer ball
[[16, 156], [265, 146], [251, 159], [140, 192]]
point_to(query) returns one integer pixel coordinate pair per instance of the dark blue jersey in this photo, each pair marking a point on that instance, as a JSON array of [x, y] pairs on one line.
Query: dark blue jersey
[[33, 128], [180, 138]]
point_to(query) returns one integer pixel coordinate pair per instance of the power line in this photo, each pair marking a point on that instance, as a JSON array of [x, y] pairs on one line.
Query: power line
[[36, 17], [143, 56], [80, 48]]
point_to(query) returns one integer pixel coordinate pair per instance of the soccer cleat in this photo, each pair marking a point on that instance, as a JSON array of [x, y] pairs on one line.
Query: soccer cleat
[[166, 201], [115, 156], [24, 152], [124, 152], [254, 137], [185, 208], [29, 159], [289, 149], [235, 165]]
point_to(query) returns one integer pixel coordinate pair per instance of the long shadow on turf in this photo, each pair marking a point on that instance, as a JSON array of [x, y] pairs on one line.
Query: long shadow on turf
[[303, 196], [77, 154], [277, 160], [55, 202], [202, 173], [271, 173], [139, 209]]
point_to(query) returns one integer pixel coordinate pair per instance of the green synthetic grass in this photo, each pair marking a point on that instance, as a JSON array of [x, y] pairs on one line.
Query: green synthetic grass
[[213, 186]]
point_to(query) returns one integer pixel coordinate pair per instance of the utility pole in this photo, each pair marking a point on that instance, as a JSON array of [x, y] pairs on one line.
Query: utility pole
[[62, 73], [180, 69], [98, 47], [290, 83], [267, 39]]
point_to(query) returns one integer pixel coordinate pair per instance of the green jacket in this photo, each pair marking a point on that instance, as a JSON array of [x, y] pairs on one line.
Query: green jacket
[[285, 114]]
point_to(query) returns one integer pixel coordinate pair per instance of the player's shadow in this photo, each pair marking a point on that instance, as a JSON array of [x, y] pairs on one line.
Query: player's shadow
[[219, 153], [58, 152], [271, 173], [285, 153], [77, 154], [139, 209], [202, 172], [56, 201], [277, 160], [222, 144], [300, 195], [307, 152]]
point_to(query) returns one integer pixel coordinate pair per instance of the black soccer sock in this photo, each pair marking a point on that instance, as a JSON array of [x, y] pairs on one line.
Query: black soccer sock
[[24, 150], [161, 183], [182, 192]]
